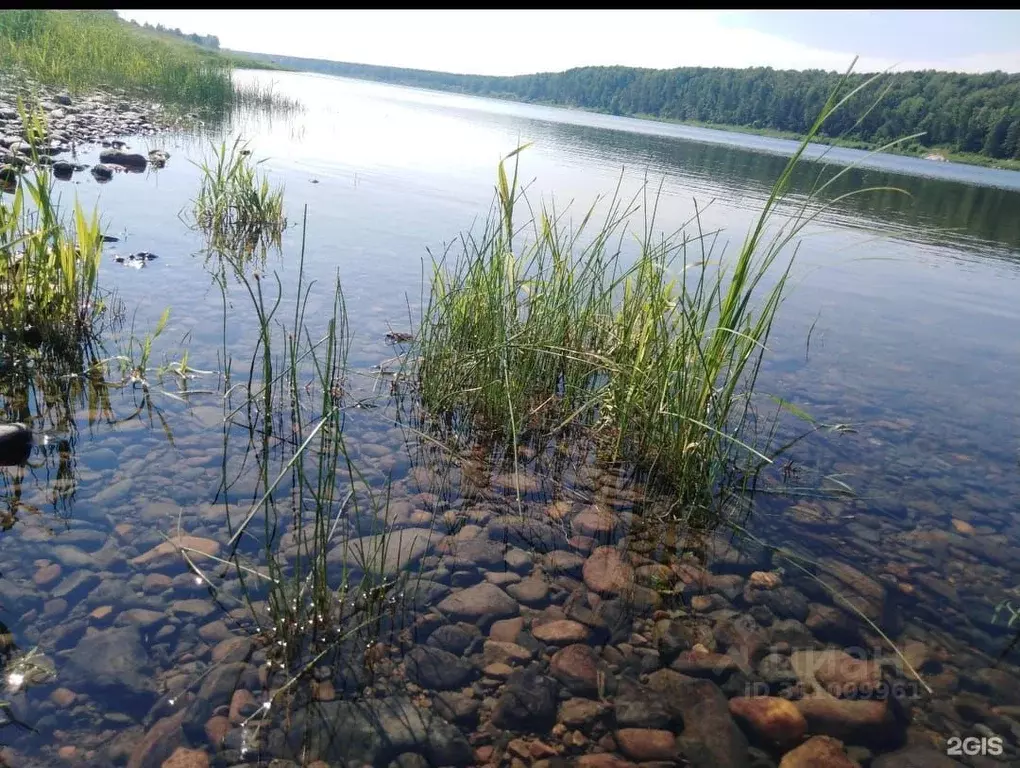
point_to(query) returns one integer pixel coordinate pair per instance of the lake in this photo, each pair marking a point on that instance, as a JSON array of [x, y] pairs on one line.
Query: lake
[[893, 518]]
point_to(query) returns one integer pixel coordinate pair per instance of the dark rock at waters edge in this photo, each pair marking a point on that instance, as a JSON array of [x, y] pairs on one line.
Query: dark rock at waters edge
[[128, 160], [102, 172], [15, 444], [370, 732]]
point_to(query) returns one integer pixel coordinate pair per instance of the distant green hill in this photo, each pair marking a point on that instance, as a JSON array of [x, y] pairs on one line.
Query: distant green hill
[[958, 113]]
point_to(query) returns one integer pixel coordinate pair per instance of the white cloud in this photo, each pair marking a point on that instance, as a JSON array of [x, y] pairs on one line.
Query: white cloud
[[518, 42]]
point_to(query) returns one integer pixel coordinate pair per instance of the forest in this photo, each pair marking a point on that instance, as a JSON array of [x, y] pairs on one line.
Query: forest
[[961, 113]]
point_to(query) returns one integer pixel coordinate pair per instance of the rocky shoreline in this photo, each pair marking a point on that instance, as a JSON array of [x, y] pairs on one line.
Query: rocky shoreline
[[78, 124]]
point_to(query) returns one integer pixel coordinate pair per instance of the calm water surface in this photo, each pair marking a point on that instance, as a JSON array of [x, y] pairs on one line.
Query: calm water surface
[[902, 327]]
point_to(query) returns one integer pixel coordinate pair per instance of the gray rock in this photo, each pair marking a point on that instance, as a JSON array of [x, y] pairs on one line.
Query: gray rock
[[638, 707], [383, 554], [437, 669], [527, 703], [455, 638], [710, 738], [113, 659], [125, 159], [457, 708], [76, 582], [370, 732], [102, 172], [483, 601]]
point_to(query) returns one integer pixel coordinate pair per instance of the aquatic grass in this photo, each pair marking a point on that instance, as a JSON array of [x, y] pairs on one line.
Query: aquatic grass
[[315, 592], [49, 267], [237, 209], [652, 348]]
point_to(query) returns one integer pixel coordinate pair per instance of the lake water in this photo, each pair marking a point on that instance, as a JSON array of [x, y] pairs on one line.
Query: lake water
[[901, 326]]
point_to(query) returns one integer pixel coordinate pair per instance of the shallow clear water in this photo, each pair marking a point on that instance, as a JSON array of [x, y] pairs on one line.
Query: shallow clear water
[[902, 323]]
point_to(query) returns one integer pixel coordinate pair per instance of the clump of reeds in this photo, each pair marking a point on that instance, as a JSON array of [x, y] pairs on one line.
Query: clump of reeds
[[654, 351], [237, 208], [49, 267]]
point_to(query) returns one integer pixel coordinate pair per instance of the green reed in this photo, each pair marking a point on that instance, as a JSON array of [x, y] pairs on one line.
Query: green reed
[[653, 352], [237, 208], [49, 267], [315, 596]]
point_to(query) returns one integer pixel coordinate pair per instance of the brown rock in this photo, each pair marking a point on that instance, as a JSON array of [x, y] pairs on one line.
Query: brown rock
[[495, 652], [860, 590], [605, 571], [484, 754], [232, 649], [101, 613], [646, 744], [498, 670], [507, 630], [764, 580], [168, 550], [560, 632], [594, 521], [63, 697], [47, 575], [819, 752], [187, 758], [559, 561], [603, 760], [963, 527], [539, 750], [844, 676], [531, 591], [324, 691], [216, 729], [772, 720], [579, 713], [241, 697], [703, 603], [159, 742], [156, 582], [67, 753], [576, 667], [484, 600], [857, 722]]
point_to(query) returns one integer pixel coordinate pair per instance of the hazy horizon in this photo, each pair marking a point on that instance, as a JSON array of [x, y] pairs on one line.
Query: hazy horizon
[[463, 42]]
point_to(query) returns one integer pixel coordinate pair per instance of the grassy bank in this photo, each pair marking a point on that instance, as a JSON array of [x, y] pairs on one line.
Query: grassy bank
[[84, 50]]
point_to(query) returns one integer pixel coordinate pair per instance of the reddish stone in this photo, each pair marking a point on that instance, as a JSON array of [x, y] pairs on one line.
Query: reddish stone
[[646, 744]]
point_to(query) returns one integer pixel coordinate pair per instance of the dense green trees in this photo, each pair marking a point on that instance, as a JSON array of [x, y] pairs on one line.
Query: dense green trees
[[963, 113]]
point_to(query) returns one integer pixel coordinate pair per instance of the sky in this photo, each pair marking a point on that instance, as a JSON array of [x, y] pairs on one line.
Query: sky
[[519, 42]]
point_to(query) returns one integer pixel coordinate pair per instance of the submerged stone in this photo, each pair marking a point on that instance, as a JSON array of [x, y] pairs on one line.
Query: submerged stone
[[370, 732]]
